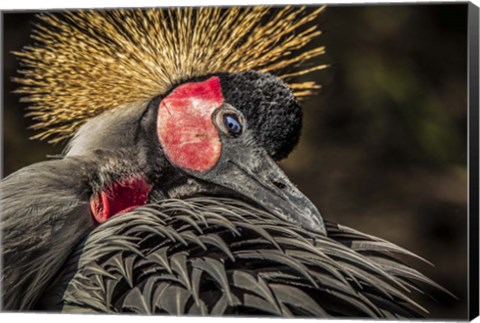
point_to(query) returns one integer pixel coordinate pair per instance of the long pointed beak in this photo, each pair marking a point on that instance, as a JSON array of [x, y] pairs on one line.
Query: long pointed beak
[[253, 174]]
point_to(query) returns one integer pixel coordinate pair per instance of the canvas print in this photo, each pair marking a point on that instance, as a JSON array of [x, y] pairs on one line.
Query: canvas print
[[257, 161]]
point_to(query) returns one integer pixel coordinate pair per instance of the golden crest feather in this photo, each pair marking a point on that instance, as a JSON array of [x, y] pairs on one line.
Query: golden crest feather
[[87, 62]]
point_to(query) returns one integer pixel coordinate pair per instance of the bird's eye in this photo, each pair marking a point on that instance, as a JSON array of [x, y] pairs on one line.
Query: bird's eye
[[230, 121], [232, 124]]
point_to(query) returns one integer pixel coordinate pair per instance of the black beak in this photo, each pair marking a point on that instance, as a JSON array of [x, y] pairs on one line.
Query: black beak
[[255, 175]]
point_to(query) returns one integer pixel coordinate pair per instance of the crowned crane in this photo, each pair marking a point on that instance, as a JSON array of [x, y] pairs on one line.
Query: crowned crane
[[168, 198]]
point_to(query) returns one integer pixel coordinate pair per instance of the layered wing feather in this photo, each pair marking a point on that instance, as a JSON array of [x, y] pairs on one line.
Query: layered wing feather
[[217, 256]]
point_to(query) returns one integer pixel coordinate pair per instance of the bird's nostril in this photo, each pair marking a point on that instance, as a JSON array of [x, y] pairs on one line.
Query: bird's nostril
[[279, 185]]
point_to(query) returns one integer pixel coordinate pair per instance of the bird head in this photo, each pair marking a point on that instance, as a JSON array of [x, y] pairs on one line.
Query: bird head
[[172, 96], [218, 135]]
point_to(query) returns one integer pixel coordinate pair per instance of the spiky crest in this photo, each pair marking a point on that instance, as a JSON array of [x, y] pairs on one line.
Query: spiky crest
[[87, 62]]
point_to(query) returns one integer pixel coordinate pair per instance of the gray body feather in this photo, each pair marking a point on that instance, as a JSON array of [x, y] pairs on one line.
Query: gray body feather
[[45, 207], [217, 256], [45, 211]]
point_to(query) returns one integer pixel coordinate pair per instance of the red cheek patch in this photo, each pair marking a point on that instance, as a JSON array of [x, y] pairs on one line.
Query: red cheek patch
[[120, 197], [184, 126]]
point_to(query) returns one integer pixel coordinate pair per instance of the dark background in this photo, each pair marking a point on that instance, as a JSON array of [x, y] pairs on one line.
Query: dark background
[[384, 145]]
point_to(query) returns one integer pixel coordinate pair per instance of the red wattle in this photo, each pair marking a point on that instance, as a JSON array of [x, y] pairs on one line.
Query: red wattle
[[120, 197]]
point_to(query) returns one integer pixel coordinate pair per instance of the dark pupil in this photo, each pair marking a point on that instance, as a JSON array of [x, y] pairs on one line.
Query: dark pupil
[[232, 124]]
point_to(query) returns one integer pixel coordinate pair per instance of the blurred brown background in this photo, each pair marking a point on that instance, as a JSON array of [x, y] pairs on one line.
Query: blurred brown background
[[384, 144]]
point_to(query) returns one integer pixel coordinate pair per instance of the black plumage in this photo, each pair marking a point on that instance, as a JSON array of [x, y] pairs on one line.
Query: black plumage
[[217, 256]]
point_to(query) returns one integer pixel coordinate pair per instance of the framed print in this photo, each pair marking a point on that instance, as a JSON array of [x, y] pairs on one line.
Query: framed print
[[312, 161]]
